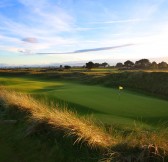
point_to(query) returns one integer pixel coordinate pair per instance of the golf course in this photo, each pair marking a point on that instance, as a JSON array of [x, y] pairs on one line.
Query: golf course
[[83, 81], [83, 115], [104, 104]]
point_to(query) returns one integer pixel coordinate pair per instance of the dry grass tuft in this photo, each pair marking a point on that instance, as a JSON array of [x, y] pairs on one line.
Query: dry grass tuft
[[135, 146], [140, 146], [84, 129]]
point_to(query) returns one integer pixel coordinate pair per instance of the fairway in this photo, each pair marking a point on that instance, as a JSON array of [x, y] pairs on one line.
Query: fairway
[[105, 104]]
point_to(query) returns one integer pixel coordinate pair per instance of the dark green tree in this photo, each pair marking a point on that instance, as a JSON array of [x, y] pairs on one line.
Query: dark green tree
[[96, 65], [89, 65], [67, 67], [119, 65], [143, 63], [162, 65], [128, 63], [105, 64], [154, 65]]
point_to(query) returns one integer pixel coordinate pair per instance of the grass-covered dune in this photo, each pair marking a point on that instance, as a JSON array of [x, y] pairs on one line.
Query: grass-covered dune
[[106, 104], [154, 83], [46, 133], [150, 82], [43, 132]]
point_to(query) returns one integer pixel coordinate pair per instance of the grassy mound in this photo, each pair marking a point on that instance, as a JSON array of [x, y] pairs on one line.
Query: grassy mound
[[84, 129], [114, 143], [155, 83]]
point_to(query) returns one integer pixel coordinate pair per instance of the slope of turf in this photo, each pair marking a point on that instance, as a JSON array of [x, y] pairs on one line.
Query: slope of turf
[[42, 145], [106, 104], [37, 135]]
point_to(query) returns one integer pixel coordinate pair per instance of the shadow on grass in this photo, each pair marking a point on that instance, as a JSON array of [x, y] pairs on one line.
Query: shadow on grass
[[49, 89], [158, 121], [80, 109], [28, 140], [31, 140]]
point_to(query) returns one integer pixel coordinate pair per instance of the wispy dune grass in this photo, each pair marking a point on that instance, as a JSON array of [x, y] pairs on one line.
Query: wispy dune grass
[[84, 129], [120, 144]]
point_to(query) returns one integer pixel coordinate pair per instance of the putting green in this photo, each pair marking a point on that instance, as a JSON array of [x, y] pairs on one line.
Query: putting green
[[106, 104]]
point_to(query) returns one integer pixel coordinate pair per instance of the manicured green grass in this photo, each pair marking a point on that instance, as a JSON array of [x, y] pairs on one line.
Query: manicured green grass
[[106, 104]]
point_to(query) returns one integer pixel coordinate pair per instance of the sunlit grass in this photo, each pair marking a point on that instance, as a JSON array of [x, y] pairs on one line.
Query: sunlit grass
[[102, 102], [117, 142], [84, 129]]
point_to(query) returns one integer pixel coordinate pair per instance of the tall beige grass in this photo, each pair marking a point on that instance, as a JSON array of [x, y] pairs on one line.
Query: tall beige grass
[[149, 143], [84, 129]]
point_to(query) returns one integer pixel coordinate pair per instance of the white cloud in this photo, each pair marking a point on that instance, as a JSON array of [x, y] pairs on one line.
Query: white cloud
[[118, 21], [41, 20], [58, 30], [48, 16]]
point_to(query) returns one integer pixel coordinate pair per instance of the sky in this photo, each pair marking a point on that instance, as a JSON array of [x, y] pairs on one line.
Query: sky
[[30, 29]]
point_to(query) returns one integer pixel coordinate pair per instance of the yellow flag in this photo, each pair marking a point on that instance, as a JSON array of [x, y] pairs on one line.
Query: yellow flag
[[120, 88]]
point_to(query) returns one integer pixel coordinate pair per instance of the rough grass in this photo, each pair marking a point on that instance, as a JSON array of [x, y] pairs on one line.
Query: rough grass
[[119, 144], [84, 129], [154, 83]]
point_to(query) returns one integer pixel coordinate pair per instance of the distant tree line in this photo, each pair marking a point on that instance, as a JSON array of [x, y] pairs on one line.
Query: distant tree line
[[141, 64], [91, 65]]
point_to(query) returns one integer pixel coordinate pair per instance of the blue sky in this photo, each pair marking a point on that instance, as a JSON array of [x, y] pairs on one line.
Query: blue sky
[[28, 27]]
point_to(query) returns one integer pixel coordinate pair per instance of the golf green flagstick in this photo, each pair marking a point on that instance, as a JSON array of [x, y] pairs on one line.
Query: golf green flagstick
[[119, 94]]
